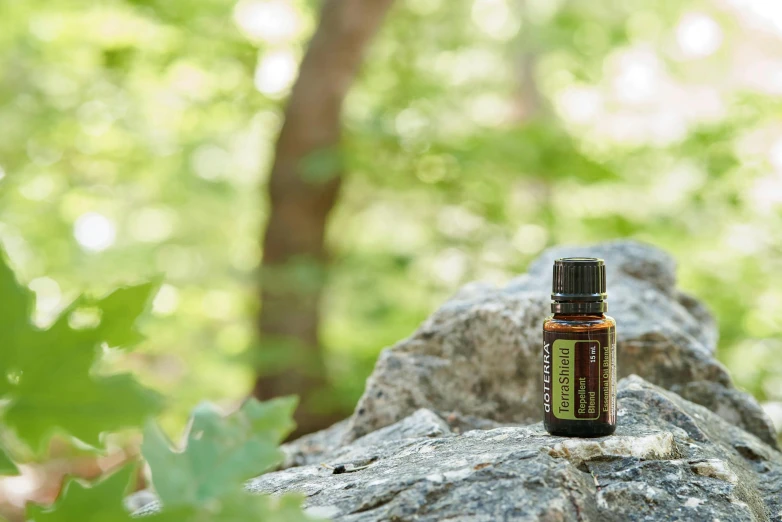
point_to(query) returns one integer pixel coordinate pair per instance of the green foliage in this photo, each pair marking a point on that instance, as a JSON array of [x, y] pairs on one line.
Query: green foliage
[[238, 507], [83, 409], [101, 502], [15, 309], [204, 481], [52, 385], [7, 466], [124, 306], [220, 454], [50, 382]]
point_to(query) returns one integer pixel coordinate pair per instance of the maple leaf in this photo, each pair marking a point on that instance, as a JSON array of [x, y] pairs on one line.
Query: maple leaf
[[203, 482], [48, 374], [100, 502], [124, 306], [221, 452]]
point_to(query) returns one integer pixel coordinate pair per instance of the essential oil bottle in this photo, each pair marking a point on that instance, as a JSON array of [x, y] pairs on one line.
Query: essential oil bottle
[[579, 352]]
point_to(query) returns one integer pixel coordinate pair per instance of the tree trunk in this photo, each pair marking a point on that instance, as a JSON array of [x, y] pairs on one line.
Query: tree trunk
[[303, 188]]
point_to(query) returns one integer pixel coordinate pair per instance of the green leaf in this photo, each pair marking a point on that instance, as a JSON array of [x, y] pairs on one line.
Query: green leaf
[[101, 502], [54, 386], [16, 304], [7, 466], [83, 407], [221, 452], [238, 507], [17, 301], [271, 419], [120, 311]]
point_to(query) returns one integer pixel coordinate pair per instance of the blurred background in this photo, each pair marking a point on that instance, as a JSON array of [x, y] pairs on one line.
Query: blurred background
[[138, 138]]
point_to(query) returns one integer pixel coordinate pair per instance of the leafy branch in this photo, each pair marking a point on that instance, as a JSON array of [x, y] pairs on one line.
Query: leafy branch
[[51, 386]]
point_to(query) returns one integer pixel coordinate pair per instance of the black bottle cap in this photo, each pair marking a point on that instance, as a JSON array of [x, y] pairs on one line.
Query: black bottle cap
[[579, 285]]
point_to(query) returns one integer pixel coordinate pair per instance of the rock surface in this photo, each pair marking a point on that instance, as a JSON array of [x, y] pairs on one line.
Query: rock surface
[[670, 460], [448, 425]]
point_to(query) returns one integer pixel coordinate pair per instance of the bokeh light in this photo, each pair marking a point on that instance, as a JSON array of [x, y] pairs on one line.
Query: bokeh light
[[94, 231]]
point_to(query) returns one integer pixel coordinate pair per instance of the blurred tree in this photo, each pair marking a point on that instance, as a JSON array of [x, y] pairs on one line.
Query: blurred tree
[[303, 187]]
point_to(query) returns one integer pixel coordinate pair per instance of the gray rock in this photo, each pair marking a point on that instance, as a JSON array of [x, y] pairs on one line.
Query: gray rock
[[731, 405], [624, 260], [310, 449], [439, 432], [670, 460], [476, 357], [641, 287], [479, 354]]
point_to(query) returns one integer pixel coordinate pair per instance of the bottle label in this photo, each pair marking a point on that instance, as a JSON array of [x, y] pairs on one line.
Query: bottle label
[[579, 375]]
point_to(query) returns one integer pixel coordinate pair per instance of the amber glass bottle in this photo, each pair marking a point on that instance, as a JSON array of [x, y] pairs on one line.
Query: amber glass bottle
[[579, 352]]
